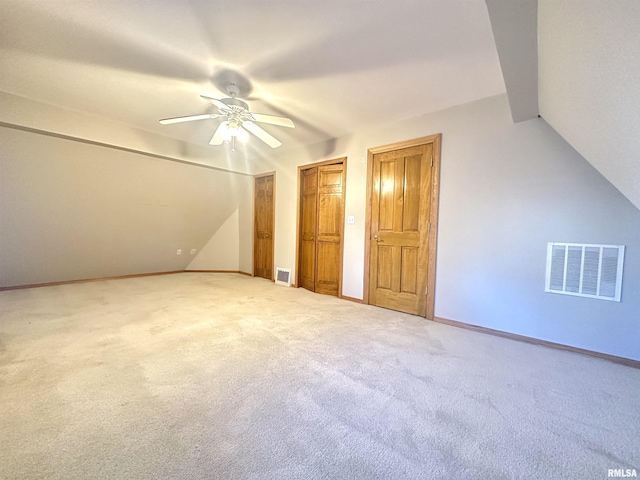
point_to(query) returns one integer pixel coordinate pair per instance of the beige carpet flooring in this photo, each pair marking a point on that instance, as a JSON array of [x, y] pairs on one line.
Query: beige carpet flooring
[[223, 376]]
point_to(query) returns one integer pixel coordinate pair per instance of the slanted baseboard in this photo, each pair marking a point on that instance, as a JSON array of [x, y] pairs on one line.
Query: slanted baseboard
[[536, 341], [351, 299], [118, 277], [86, 280], [219, 271]]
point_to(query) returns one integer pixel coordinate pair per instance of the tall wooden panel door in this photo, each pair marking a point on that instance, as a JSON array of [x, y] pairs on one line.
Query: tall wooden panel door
[[308, 214], [321, 228], [263, 227], [400, 207], [330, 226]]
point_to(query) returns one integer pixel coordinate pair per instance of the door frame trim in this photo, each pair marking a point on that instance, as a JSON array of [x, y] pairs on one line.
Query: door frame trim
[[335, 161], [436, 141], [253, 226]]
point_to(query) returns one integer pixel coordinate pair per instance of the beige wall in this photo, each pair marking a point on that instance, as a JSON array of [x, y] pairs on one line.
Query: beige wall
[[84, 197], [70, 210], [222, 251], [31, 114]]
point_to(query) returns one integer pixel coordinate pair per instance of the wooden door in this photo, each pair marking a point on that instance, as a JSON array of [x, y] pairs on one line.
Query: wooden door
[[329, 228], [308, 213], [321, 227], [263, 227], [400, 210]]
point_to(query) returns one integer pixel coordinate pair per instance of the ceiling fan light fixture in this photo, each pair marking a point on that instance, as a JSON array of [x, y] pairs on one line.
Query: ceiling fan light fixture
[[231, 131], [243, 135], [240, 121]]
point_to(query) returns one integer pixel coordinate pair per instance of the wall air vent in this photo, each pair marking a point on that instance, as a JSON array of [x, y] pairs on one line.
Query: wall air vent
[[585, 270], [283, 276]]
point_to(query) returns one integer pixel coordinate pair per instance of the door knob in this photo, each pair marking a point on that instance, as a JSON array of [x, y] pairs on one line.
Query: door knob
[[266, 235], [377, 238]]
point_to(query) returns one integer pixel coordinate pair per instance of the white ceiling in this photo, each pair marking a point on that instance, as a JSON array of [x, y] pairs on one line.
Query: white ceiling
[[589, 60], [334, 66]]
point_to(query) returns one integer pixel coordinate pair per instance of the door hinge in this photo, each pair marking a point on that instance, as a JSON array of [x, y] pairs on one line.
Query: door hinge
[[432, 161], [426, 290], [429, 227]]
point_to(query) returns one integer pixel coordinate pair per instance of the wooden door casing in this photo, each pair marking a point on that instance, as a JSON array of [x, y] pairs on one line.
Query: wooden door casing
[[400, 212], [263, 227]]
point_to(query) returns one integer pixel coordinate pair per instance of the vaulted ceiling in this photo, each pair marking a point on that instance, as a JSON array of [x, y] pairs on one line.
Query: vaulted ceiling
[[336, 67], [333, 66]]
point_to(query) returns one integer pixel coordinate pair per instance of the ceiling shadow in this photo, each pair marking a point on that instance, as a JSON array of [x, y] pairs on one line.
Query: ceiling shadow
[[31, 30], [406, 36]]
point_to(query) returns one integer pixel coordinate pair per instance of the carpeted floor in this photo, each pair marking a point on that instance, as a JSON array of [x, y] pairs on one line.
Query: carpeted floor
[[229, 377]]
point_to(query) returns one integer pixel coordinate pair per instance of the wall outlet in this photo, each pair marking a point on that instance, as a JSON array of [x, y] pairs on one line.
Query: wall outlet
[[179, 252], [193, 251], [351, 219]]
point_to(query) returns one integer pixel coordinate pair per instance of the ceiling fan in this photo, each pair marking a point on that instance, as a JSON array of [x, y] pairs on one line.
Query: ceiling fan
[[238, 121]]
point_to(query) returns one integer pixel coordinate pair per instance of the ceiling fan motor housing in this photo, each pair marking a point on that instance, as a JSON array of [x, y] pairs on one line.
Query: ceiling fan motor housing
[[235, 104]]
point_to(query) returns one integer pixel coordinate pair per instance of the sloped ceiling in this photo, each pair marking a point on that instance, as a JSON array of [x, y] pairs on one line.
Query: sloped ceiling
[[578, 63], [333, 66], [336, 67], [589, 74]]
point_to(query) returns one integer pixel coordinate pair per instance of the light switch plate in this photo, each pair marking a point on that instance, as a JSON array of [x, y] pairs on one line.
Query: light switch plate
[[351, 219]]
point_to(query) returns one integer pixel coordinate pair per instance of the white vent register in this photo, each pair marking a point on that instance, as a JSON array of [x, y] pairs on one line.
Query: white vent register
[[283, 276], [585, 270]]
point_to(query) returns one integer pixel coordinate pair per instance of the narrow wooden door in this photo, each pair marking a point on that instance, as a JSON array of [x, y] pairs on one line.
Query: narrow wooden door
[[308, 213], [263, 227], [329, 229], [400, 207]]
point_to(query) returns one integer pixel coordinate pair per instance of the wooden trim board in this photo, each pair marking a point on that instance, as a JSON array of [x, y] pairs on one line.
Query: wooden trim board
[[433, 220], [116, 147], [535, 341], [219, 271], [87, 280], [350, 299], [118, 277]]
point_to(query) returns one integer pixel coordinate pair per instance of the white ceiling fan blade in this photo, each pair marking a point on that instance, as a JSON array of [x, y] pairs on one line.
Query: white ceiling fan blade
[[273, 120], [216, 102], [218, 137], [261, 134], [190, 118]]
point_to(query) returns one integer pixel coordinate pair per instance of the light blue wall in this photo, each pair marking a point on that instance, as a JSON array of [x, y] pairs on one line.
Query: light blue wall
[[507, 190]]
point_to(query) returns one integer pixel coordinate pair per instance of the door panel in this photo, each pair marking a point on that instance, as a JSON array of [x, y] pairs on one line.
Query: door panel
[[308, 234], [411, 211], [387, 195], [409, 270], [400, 206], [263, 227], [385, 267]]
